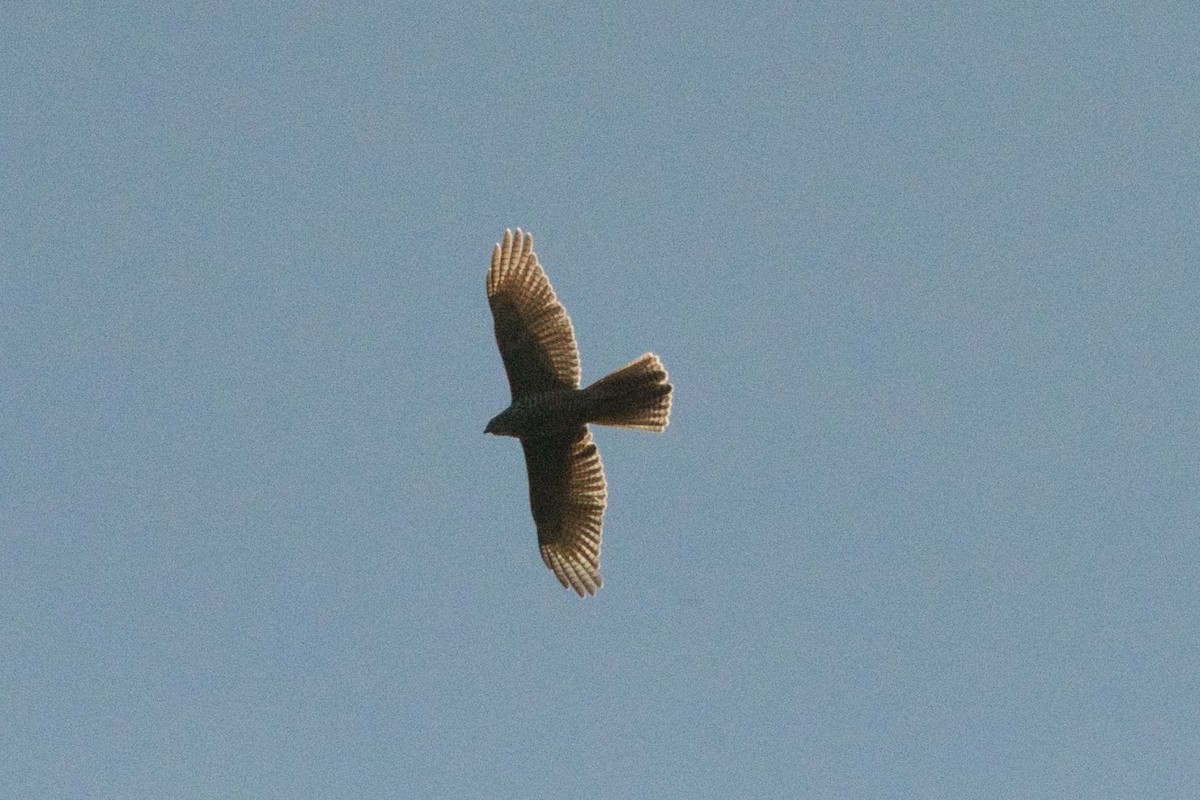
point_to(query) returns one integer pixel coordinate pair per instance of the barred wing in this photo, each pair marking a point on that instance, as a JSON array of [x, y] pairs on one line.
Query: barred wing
[[533, 331], [567, 492]]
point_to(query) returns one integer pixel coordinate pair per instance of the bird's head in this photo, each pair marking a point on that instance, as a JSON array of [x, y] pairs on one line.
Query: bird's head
[[501, 424]]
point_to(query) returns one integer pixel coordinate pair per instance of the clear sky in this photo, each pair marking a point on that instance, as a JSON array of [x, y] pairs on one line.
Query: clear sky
[[924, 524]]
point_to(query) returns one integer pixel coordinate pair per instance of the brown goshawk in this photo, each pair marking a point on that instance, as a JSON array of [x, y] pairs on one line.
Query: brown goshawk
[[550, 413]]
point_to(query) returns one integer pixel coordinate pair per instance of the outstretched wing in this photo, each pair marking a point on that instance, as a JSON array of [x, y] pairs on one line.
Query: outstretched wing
[[567, 492], [536, 339]]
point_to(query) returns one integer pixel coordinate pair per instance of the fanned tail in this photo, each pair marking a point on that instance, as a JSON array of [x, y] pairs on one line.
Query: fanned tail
[[635, 396]]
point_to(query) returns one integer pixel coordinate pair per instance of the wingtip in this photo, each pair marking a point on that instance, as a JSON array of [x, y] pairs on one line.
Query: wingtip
[[571, 573], [516, 243]]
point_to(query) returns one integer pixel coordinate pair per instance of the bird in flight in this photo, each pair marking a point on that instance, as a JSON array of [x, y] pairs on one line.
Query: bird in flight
[[550, 413]]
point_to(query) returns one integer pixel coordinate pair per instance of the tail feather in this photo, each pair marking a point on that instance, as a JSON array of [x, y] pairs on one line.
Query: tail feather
[[635, 396]]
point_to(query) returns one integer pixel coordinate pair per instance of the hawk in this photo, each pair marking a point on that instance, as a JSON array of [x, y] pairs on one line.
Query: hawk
[[550, 413]]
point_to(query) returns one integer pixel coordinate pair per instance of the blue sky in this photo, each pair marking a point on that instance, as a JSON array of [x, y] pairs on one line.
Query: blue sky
[[925, 520]]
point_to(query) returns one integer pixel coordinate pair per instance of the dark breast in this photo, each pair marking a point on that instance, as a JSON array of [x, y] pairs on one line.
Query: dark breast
[[549, 414]]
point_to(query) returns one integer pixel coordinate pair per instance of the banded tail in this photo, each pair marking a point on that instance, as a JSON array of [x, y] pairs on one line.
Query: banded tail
[[635, 396]]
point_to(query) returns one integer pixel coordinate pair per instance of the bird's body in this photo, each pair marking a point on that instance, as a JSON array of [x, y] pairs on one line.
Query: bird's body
[[550, 413], [540, 415]]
